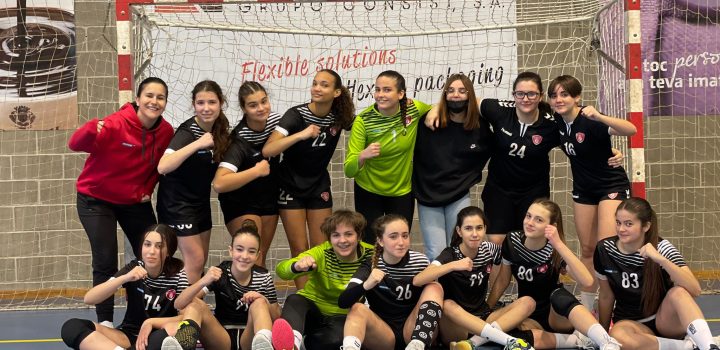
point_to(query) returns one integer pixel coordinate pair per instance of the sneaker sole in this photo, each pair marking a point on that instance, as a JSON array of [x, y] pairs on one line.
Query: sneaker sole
[[282, 335], [170, 343]]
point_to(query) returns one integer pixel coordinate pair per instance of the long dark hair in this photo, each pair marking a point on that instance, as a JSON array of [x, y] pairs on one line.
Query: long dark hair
[[342, 106], [378, 229], [555, 219], [171, 265], [219, 131], [472, 115], [463, 214], [401, 86], [653, 288]]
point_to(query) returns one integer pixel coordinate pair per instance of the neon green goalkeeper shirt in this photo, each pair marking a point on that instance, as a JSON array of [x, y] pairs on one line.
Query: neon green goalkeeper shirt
[[325, 283], [390, 173]]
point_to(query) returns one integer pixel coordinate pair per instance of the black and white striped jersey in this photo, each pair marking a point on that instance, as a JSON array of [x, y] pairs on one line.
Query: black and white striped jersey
[[624, 273], [396, 296], [244, 152], [469, 288], [230, 309], [301, 169], [151, 297], [184, 193], [533, 269], [255, 137]]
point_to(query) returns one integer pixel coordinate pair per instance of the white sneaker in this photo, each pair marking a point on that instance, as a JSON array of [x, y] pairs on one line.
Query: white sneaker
[[585, 343], [415, 345], [351, 347], [107, 324], [170, 343], [261, 342]]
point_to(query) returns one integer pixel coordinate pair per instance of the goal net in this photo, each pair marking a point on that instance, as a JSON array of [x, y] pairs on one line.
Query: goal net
[[282, 45]]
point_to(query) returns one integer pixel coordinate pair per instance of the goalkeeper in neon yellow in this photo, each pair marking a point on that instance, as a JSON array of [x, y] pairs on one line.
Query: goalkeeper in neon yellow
[[313, 312], [380, 151]]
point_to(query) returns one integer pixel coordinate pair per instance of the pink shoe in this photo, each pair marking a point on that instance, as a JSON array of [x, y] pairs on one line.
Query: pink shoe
[[282, 335]]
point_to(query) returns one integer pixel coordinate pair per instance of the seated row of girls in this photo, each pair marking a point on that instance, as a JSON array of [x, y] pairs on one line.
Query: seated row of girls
[[650, 309]]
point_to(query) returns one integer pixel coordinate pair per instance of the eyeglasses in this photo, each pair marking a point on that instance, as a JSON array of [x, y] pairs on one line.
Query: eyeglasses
[[461, 91], [531, 95]]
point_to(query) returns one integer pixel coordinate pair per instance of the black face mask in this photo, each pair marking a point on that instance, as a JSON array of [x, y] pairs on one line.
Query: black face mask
[[457, 106]]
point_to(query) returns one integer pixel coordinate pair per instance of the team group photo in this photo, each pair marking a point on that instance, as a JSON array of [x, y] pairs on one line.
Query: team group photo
[[359, 175]]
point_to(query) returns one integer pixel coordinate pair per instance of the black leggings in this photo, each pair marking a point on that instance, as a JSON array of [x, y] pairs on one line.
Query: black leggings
[[321, 331], [100, 220], [373, 206]]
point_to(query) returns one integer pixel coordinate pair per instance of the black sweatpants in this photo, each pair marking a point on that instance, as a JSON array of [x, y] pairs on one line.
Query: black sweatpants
[[100, 219]]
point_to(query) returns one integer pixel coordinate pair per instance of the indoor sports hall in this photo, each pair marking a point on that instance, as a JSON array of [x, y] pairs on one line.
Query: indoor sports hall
[[655, 63]]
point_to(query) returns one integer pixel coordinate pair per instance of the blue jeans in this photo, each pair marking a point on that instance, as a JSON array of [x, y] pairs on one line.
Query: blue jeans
[[437, 225]]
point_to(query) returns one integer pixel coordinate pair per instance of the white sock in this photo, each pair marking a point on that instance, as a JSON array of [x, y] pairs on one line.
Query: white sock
[[496, 326], [298, 339], [478, 340], [565, 340], [119, 348], [670, 344], [350, 341], [107, 324], [699, 332], [495, 335], [587, 299], [598, 334], [266, 332]]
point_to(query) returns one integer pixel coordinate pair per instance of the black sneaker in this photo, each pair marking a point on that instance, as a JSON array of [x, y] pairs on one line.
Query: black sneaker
[[186, 337]]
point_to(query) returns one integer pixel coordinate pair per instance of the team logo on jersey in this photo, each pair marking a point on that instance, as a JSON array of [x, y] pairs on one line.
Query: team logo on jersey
[[536, 139], [325, 196], [612, 195], [408, 120], [170, 294], [542, 268], [488, 268], [580, 137], [333, 131]]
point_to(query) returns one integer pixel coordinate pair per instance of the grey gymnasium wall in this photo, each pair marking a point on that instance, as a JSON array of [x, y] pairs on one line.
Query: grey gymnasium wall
[[37, 171]]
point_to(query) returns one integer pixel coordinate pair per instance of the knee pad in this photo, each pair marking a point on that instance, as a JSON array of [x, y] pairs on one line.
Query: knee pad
[[524, 335], [563, 301], [75, 330]]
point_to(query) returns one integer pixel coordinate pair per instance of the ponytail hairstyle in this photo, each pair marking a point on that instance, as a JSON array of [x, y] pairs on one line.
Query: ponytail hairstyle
[[461, 216], [472, 114], [535, 78], [653, 288], [342, 106], [170, 265], [347, 217], [151, 80], [557, 221], [219, 131], [378, 228], [248, 227], [400, 86]]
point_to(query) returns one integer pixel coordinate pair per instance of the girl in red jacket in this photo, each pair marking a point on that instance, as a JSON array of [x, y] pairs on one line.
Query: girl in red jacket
[[119, 177]]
